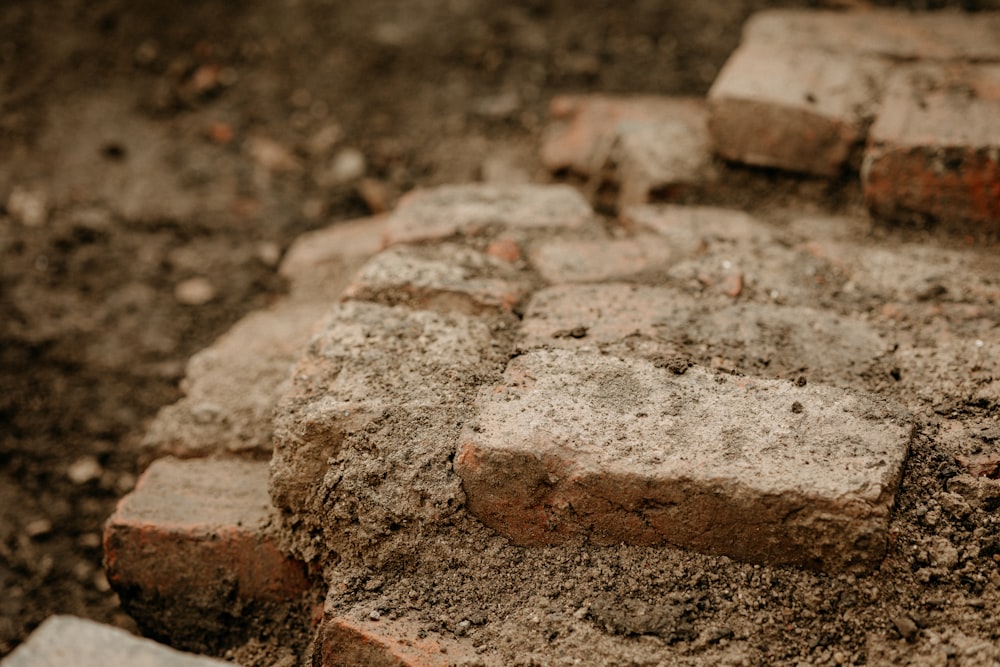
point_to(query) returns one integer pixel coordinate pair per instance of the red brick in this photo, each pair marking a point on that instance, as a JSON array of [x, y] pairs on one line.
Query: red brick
[[794, 108], [66, 640], [190, 550], [593, 260], [445, 277], [618, 450], [934, 150], [384, 643], [653, 143], [457, 210]]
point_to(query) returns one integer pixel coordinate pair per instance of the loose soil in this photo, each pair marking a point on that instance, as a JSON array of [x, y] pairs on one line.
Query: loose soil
[[158, 161]]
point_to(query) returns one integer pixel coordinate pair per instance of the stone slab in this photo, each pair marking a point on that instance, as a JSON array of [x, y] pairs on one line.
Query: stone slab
[[934, 150], [792, 108], [62, 641], [211, 512], [618, 450], [445, 277], [470, 210]]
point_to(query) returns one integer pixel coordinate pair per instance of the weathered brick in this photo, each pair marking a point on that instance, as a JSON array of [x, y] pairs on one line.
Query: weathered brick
[[231, 388], [443, 277], [454, 210], [661, 323], [189, 551], [693, 229], [934, 150], [564, 260], [342, 642], [794, 108], [66, 640], [618, 450], [364, 436], [651, 143], [894, 34]]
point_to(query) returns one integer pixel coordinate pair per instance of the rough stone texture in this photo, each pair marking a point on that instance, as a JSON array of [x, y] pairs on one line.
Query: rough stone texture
[[471, 210], [231, 388], [651, 144], [593, 260], [342, 642], [689, 229], [665, 324], [62, 641], [363, 438], [895, 34], [793, 108], [618, 450], [444, 277], [189, 551], [934, 151]]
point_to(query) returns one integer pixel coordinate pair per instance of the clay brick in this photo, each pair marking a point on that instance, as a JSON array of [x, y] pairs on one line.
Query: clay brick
[[652, 143], [934, 150], [364, 436], [693, 229], [454, 210], [618, 450], [66, 640], [793, 108], [894, 34], [443, 277], [593, 260], [660, 323], [342, 642], [231, 388], [189, 551]]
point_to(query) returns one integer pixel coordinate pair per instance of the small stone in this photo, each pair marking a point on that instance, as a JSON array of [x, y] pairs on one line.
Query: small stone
[[84, 469], [269, 253], [38, 527], [194, 291], [906, 628], [271, 155], [347, 165], [29, 206]]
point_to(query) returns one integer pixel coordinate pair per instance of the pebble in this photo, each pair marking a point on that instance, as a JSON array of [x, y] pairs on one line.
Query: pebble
[[269, 253], [84, 469], [38, 527], [194, 291], [348, 165], [906, 627], [28, 206]]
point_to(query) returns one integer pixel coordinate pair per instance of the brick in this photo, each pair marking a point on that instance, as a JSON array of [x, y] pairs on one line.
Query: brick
[[67, 640], [660, 323], [564, 260], [894, 34], [364, 436], [212, 512], [342, 642], [617, 450], [792, 108], [231, 388], [972, 366], [456, 210], [443, 277], [651, 143], [693, 229], [934, 150], [319, 264]]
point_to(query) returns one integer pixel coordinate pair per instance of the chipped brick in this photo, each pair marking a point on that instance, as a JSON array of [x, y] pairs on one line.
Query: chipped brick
[[342, 642]]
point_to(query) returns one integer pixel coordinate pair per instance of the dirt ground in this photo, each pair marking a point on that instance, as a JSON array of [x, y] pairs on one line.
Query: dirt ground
[[157, 161]]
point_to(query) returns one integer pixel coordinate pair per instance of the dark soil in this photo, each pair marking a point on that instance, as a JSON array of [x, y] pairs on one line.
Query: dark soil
[[159, 157]]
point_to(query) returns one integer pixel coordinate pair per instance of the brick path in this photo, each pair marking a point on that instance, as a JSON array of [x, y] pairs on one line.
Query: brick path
[[678, 377]]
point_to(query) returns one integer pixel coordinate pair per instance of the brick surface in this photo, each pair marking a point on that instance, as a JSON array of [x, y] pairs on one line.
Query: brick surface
[[213, 513], [895, 34], [342, 642], [661, 323], [444, 277], [775, 105], [650, 143], [692, 229], [593, 260], [66, 640], [455, 210], [934, 151], [618, 450]]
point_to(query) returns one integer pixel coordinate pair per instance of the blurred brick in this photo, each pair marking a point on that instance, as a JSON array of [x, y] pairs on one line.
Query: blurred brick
[[934, 150], [385, 643], [619, 450], [793, 108], [189, 551], [456, 210], [593, 260], [66, 640], [443, 277]]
